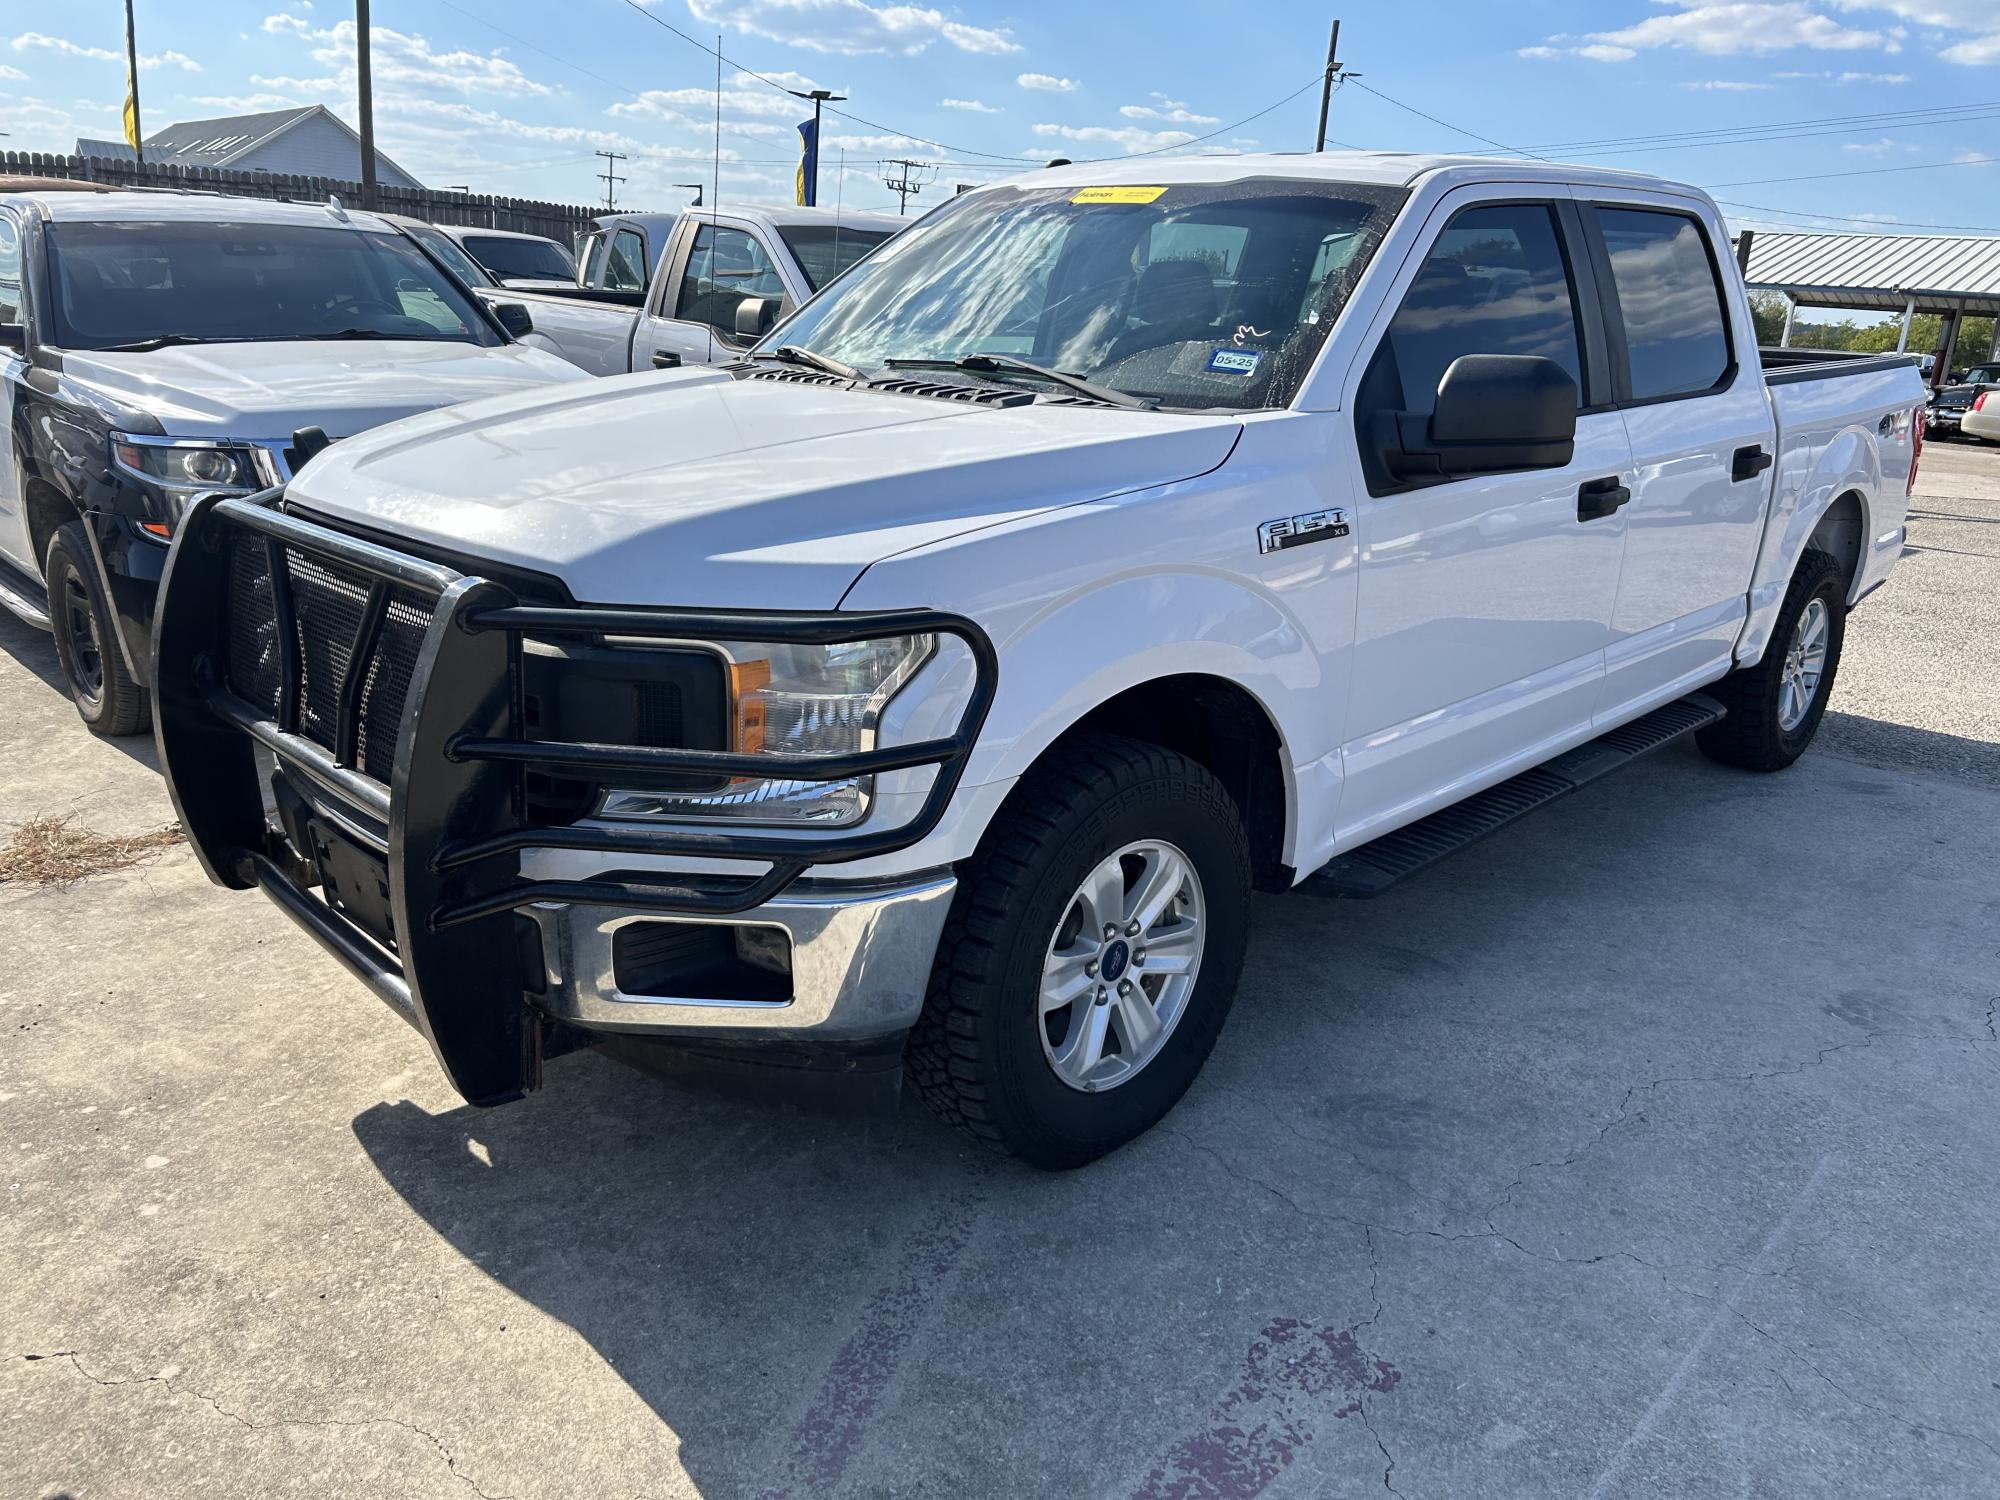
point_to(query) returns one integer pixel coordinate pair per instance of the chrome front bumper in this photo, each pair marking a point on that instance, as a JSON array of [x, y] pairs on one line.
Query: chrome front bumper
[[860, 964]]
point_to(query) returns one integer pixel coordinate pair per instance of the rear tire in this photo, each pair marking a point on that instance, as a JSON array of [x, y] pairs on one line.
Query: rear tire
[[1103, 822], [1775, 706], [86, 628]]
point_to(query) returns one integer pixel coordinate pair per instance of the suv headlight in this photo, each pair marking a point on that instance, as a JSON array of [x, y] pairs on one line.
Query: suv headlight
[[795, 700], [174, 472]]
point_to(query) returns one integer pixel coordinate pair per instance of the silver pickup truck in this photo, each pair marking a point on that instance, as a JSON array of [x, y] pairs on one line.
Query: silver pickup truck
[[720, 281]]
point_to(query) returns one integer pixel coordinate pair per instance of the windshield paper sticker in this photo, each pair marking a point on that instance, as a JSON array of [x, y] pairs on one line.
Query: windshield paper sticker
[[1235, 361], [1118, 195]]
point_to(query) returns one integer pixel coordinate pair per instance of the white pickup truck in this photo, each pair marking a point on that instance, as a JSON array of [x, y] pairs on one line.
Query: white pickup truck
[[720, 280], [932, 687]]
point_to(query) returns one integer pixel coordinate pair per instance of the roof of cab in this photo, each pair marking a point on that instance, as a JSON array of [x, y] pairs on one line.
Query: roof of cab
[[1383, 168], [188, 208]]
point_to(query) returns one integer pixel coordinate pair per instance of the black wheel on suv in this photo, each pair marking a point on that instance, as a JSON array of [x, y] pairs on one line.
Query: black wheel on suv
[[1091, 953], [1775, 706], [110, 702]]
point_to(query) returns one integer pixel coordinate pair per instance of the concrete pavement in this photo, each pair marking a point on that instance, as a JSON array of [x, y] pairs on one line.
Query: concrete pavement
[[1645, 1150]]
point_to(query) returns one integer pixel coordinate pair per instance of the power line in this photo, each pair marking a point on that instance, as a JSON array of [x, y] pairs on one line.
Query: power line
[[1876, 224], [1911, 166], [1871, 117], [1412, 109]]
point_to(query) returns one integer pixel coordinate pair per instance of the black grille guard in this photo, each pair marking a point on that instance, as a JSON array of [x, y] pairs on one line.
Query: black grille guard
[[454, 806]]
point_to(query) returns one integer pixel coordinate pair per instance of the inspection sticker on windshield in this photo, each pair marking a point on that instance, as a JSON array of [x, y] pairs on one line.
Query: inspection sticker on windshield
[[1235, 361], [1118, 195]]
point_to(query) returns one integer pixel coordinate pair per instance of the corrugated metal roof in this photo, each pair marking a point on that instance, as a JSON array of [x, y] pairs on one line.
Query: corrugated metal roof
[[1879, 270]]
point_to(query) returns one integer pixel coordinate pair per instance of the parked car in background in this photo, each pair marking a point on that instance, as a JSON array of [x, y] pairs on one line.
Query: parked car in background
[[154, 346], [937, 682], [1944, 415], [475, 277], [706, 267], [526, 261]]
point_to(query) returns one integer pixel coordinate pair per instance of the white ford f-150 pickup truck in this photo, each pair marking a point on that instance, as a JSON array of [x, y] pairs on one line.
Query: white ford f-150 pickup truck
[[933, 686]]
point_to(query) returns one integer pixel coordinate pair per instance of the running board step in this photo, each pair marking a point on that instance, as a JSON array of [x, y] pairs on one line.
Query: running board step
[[26, 606], [1375, 866]]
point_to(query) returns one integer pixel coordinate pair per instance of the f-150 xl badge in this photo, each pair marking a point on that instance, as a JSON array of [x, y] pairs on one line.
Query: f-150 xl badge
[[1296, 531]]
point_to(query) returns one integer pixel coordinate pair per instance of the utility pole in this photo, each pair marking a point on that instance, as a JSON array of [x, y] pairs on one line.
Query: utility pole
[[610, 178], [905, 186], [697, 186], [1326, 87], [366, 84], [818, 97]]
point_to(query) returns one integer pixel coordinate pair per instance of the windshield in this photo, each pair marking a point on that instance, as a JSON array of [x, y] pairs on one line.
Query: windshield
[[823, 251], [1983, 375], [543, 260], [448, 250], [1195, 295], [123, 283]]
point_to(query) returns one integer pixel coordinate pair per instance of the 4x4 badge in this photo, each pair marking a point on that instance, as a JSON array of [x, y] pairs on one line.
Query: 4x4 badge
[[1296, 531]]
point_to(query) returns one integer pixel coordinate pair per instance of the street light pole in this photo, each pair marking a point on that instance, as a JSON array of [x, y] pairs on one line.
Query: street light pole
[[366, 89], [818, 97]]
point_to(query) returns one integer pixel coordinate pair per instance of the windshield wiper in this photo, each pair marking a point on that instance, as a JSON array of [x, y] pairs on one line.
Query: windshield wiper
[[361, 333], [160, 341], [1006, 364], [792, 354]]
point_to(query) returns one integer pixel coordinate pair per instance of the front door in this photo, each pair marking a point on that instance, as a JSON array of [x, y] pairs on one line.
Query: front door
[[14, 543], [696, 316], [1484, 602]]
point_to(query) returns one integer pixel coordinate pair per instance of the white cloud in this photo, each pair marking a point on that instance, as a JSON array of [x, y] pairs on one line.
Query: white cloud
[[1047, 83], [697, 105], [1725, 86], [398, 57], [1163, 108], [1538, 52], [14, 75], [65, 48], [850, 26], [1849, 77], [970, 106], [1880, 147], [1975, 51], [284, 25], [1973, 158], [244, 104], [1736, 26], [1130, 138]]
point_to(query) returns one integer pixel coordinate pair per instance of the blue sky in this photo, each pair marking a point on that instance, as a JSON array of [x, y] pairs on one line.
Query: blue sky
[[514, 95]]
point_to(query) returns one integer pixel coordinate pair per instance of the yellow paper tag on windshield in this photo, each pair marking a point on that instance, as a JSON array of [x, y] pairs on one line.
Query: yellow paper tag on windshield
[[1118, 195]]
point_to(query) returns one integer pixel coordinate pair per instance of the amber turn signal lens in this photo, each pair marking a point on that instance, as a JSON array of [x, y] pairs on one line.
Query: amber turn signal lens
[[745, 679]]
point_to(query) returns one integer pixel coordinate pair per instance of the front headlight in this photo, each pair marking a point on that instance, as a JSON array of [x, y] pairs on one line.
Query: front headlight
[[795, 700], [175, 472]]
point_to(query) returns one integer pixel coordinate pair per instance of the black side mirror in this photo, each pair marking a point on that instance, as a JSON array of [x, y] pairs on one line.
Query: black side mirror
[[14, 336], [515, 318], [754, 316], [1495, 413]]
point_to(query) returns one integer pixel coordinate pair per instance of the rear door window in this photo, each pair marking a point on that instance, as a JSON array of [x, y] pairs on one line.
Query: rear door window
[[10, 269], [1494, 282], [1670, 300]]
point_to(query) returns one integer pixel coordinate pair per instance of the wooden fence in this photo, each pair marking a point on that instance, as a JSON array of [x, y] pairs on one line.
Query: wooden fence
[[559, 221]]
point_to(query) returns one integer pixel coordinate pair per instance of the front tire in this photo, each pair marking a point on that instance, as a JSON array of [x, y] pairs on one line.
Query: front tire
[[109, 701], [1775, 706], [1091, 953]]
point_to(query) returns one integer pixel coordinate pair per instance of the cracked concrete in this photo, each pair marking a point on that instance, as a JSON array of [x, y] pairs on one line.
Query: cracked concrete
[[1646, 1150]]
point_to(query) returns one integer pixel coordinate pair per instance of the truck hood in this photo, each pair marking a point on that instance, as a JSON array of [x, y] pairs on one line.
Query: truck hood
[[695, 488], [265, 391]]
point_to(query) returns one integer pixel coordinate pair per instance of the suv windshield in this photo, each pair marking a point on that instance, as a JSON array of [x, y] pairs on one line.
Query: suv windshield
[[127, 283], [541, 260], [1194, 295], [1983, 375], [823, 251]]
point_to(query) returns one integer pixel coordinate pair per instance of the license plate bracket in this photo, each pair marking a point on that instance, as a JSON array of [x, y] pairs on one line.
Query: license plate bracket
[[354, 880]]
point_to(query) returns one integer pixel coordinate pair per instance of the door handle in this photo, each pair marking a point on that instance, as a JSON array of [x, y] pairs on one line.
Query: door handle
[[1748, 463], [666, 359], [1598, 498]]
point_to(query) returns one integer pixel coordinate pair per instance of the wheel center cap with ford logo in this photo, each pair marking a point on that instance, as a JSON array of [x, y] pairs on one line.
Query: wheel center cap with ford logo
[[1116, 957]]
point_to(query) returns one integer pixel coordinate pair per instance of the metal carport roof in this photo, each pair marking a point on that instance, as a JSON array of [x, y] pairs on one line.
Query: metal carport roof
[[1882, 272]]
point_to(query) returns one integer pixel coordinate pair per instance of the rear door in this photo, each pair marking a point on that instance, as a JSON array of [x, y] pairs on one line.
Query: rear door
[[1698, 416], [1484, 602]]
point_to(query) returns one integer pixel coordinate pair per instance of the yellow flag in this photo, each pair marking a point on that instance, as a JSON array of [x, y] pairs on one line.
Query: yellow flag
[[132, 117]]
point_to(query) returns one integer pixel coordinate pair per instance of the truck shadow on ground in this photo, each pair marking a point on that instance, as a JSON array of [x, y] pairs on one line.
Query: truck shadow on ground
[[806, 1302], [35, 651]]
